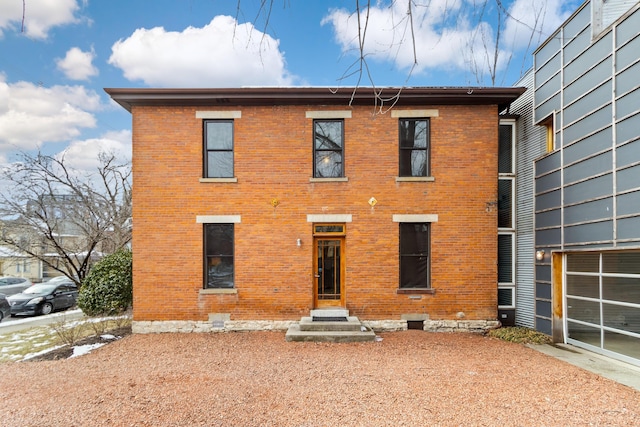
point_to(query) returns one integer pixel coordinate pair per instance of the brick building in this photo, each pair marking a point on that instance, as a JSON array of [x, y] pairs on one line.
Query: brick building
[[253, 206]]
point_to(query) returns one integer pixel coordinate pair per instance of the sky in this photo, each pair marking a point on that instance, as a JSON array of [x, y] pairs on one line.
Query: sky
[[57, 56]]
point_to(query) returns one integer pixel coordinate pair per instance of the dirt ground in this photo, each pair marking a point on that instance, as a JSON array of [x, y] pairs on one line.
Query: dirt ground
[[410, 378]]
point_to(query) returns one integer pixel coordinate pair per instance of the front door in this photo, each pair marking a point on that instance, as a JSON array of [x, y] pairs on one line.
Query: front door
[[329, 272]]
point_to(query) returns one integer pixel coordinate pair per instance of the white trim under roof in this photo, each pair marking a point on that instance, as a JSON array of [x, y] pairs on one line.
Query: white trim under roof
[[415, 218], [218, 114], [217, 219]]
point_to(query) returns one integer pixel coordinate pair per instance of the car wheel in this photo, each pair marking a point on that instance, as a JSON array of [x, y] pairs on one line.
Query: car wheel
[[47, 308], [1, 316]]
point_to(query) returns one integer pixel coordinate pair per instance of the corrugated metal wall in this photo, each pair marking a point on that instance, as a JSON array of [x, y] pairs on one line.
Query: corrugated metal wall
[[613, 9], [530, 144]]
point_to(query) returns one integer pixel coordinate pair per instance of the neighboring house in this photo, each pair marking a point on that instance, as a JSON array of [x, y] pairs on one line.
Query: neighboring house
[[18, 264], [254, 206], [586, 101], [28, 232]]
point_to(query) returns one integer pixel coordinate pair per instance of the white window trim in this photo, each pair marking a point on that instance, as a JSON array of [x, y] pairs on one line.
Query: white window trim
[[219, 180], [218, 219], [512, 123], [328, 114], [329, 218], [513, 204], [409, 114], [341, 179], [513, 298], [415, 218], [212, 115], [415, 179]]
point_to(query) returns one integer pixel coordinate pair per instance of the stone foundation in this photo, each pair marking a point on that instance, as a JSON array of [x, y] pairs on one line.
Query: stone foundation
[[474, 326], [188, 326]]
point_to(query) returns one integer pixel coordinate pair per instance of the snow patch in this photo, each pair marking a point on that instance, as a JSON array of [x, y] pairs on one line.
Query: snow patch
[[81, 350]]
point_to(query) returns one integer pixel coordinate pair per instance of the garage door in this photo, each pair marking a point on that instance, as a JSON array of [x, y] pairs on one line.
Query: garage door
[[602, 302]]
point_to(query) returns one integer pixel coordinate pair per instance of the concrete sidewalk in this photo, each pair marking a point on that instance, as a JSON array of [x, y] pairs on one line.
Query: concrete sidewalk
[[16, 324], [615, 370]]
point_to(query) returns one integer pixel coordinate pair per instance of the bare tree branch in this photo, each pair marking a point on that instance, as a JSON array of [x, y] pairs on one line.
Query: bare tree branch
[[63, 218]]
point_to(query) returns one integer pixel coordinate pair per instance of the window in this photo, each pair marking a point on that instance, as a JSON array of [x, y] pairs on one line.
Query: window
[[414, 255], [414, 147], [328, 148], [506, 214], [218, 244], [218, 148], [329, 229], [506, 148], [22, 266], [505, 203], [549, 134]]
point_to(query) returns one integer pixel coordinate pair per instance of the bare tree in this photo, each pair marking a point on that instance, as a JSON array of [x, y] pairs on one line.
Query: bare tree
[[62, 217], [485, 53]]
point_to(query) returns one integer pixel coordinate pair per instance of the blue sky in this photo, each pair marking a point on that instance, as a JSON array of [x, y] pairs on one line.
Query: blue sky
[[55, 64]]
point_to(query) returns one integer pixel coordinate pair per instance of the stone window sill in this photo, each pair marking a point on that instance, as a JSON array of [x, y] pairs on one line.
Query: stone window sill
[[219, 180], [344, 179], [416, 291], [212, 291], [415, 179]]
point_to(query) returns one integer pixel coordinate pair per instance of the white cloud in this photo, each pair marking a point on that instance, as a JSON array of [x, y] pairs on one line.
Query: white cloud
[[442, 29], [223, 53], [449, 34], [83, 154], [545, 16], [31, 114], [77, 65], [39, 16]]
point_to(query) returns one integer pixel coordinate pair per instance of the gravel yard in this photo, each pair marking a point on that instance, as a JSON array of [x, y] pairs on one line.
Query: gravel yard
[[410, 378]]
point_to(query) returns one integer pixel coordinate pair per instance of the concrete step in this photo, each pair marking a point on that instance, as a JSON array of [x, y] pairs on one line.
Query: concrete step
[[330, 312], [295, 334], [330, 325], [351, 323]]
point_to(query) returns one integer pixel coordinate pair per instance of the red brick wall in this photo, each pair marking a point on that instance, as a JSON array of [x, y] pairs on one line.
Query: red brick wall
[[273, 159]]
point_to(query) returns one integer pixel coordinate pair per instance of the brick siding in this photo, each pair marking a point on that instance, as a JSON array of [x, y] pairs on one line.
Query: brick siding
[[273, 159]]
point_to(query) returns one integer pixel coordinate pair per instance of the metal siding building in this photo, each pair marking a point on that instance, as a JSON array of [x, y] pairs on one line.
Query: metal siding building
[[530, 145], [587, 188]]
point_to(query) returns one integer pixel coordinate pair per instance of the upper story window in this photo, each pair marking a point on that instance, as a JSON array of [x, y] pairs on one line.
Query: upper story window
[[506, 148], [218, 148], [414, 147], [506, 171], [328, 148], [550, 134]]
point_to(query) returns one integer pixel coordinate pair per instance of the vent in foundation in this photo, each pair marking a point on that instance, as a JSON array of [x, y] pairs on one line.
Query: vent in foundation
[[329, 319], [415, 324]]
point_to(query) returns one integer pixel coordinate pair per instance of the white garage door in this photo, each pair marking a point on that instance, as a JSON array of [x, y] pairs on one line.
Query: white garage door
[[602, 302]]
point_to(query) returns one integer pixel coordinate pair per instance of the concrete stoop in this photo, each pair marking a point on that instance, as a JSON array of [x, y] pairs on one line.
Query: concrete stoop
[[330, 325]]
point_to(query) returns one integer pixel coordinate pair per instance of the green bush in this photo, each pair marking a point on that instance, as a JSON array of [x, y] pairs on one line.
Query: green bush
[[108, 288]]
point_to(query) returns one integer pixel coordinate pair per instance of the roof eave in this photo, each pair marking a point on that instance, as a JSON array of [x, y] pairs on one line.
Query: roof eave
[[391, 96]]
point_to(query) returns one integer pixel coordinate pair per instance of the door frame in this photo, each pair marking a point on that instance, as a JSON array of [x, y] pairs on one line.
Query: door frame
[[326, 231]]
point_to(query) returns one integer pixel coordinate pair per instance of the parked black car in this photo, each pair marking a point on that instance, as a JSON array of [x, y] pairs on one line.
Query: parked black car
[[44, 298], [5, 308]]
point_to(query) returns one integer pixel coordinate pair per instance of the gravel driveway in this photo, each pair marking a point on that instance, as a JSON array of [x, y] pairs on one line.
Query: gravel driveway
[[411, 378]]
